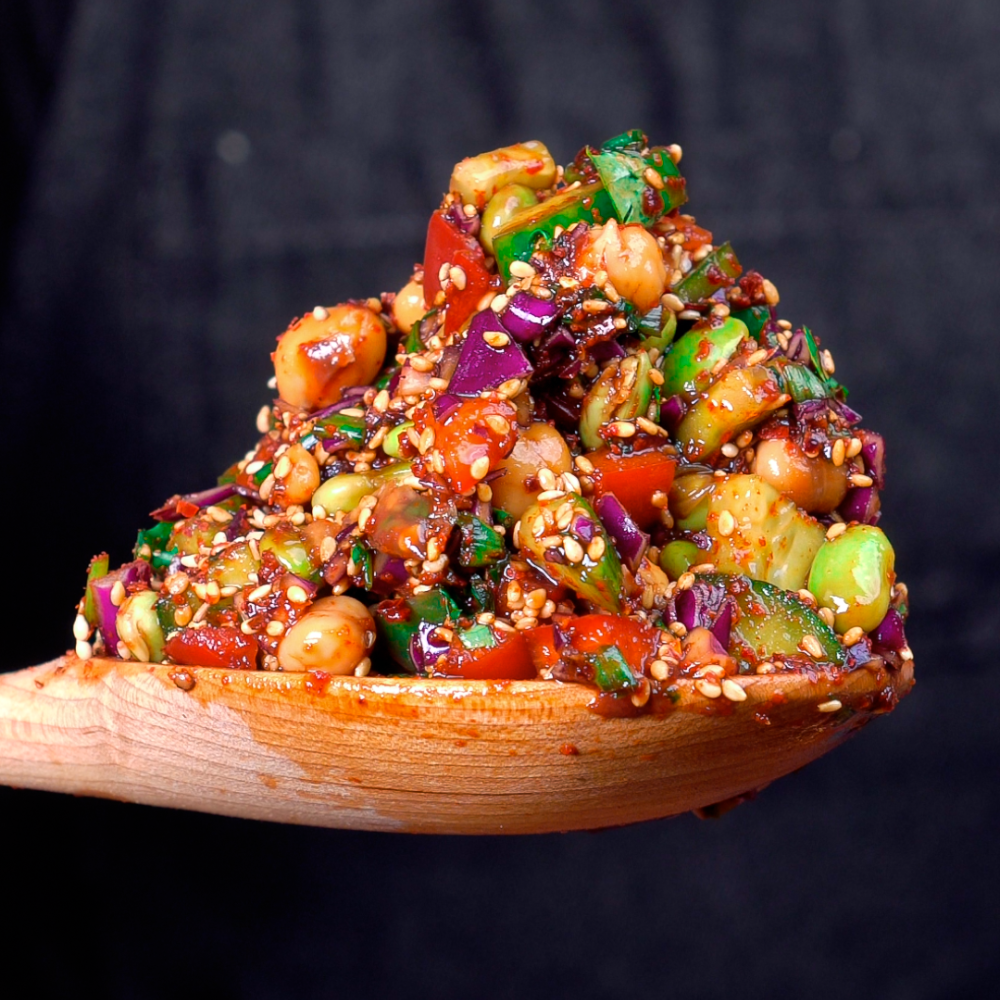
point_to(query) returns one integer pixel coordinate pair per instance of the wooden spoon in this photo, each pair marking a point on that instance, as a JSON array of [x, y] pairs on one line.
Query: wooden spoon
[[428, 756]]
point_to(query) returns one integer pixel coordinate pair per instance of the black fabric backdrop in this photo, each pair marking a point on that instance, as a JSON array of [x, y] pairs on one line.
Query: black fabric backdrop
[[184, 177]]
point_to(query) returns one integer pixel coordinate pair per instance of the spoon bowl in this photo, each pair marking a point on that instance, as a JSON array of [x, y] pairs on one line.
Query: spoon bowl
[[415, 755]]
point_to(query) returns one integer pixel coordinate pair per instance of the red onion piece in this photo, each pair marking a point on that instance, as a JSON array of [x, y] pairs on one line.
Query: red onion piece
[[873, 455], [526, 317], [630, 541], [481, 366], [671, 412], [890, 633], [107, 612], [861, 504]]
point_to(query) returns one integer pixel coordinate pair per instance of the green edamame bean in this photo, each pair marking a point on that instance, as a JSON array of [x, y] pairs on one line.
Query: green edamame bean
[[853, 576], [391, 444], [678, 557]]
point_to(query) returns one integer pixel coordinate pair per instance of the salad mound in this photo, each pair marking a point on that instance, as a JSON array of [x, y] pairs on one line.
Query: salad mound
[[580, 444]]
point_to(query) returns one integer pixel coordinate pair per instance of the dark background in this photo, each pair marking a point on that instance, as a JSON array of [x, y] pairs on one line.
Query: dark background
[[183, 177]]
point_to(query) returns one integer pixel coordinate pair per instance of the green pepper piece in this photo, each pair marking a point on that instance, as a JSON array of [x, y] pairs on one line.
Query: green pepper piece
[[756, 318], [633, 139], [516, 240], [361, 556], [382, 382], [739, 399], [480, 594], [687, 367], [477, 637], [757, 532], [657, 328], [480, 544], [611, 671], [433, 607], [718, 270], [262, 473], [853, 576], [689, 496], [230, 475], [153, 540], [98, 567], [623, 392], [773, 622], [623, 174], [598, 581], [679, 556]]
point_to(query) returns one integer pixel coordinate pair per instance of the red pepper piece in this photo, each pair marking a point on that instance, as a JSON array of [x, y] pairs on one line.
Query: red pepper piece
[[633, 479], [209, 646]]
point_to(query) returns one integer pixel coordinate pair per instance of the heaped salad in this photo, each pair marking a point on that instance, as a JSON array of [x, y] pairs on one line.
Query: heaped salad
[[579, 444]]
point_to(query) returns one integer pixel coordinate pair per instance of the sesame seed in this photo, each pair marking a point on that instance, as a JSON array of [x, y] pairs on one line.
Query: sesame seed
[[733, 691], [784, 324], [833, 705], [596, 549], [219, 538], [685, 581], [499, 303], [275, 628], [827, 615], [860, 479], [771, 296], [118, 594], [573, 550], [551, 495], [84, 651], [80, 628], [183, 615], [730, 450], [547, 479], [457, 276], [807, 597], [512, 387], [835, 530], [659, 670], [766, 668], [123, 651], [254, 467], [826, 360], [528, 621], [264, 419], [727, 523], [480, 467], [622, 429], [705, 567], [443, 271], [426, 440], [838, 452], [679, 629], [364, 517], [757, 357], [296, 594], [853, 635], [319, 313], [522, 269], [811, 645], [420, 364], [708, 688], [854, 447]]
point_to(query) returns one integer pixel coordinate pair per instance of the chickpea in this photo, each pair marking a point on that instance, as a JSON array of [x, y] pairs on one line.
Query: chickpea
[[814, 484], [334, 635], [503, 206], [408, 307], [299, 482], [538, 447], [632, 259], [139, 627], [317, 358]]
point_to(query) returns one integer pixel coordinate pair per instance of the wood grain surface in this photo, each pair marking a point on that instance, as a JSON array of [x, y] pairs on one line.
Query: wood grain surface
[[383, 753]]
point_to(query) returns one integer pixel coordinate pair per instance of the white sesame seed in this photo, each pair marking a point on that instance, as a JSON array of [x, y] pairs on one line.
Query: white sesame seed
[[708, 688], [496, 338], [811, 645], [860, 479], [296, 594], [320, 313], [826, 360], [363, 668], [84, 651], [80, 628], [457, 276], [118, 594], [480, 467], [853, 635], [836, 529], [573, 550], [264, 419], [733, 691], [771, 296], [498, 303], [521, 269], [730, 450], [364, 517], [833, 705], [854, 447]]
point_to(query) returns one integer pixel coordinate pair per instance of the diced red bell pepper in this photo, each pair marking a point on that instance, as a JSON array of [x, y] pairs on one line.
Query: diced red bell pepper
[[541, 642], [447, 244], [509, 661], [209, 646], [637, 641], [633, 479]]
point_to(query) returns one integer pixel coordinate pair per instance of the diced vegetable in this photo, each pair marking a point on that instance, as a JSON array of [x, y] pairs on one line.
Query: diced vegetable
[[623, 392], [719, 269], [773, 622], [689, 498], [564, 538], [508, 201], [233, 565], [757, 532], [688, 365], [527, 317], [629, 540], [98, 567], [756, 318], [213, 646], [739, 399], [815, 484], [448, 247], [289, 546], [480, 544], [539, 446], [623, 171], [139, 628], [853, 576], [489, 357], [517, 239], [478, 178], [678, 557], [634, 479], [406, 626], [479, 653]]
